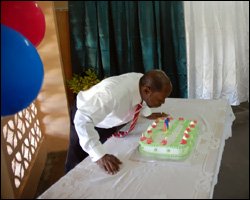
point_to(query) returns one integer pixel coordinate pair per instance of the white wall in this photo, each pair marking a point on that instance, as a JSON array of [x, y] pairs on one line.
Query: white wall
[[52, 96]]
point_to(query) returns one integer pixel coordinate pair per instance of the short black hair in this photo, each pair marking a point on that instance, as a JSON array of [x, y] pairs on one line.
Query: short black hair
[[155, 79]]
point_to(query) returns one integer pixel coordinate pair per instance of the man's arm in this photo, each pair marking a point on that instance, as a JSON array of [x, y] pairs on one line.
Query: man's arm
[[147, 112], [89, 141]]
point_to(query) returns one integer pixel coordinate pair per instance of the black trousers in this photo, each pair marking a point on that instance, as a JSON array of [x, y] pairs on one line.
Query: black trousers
[[75, 152]]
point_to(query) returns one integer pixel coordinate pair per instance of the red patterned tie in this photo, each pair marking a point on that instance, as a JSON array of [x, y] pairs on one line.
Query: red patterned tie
[[132, 125]]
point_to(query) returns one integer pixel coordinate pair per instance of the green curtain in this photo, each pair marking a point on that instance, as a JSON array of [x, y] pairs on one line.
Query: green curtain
[[117, 37]]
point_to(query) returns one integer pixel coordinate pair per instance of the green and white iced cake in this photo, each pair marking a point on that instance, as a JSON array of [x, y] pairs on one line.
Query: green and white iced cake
[[169, 138]]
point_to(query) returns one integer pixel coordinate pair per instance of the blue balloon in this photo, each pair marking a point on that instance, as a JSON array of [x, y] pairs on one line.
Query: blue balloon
[[21, 72]]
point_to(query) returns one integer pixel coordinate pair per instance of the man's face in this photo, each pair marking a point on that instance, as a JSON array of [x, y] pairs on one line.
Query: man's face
[[156, 99]]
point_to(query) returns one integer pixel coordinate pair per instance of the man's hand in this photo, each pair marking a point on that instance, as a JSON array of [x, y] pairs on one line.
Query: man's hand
[[109, 163], [157, 115]]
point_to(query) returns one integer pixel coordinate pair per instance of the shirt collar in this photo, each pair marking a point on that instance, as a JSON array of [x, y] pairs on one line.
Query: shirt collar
[[137, 97]]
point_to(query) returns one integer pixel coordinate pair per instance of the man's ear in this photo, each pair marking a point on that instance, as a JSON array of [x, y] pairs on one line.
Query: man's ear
[[146, 90]]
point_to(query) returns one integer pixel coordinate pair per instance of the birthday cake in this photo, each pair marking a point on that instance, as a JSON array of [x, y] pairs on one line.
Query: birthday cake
[[169, 138]]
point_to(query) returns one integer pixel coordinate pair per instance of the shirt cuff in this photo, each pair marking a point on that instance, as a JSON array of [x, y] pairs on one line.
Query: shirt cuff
[[146, 111], [97, 152]]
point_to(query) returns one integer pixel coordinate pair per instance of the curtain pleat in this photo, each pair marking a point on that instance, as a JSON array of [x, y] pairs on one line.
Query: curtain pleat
[[217, 36]]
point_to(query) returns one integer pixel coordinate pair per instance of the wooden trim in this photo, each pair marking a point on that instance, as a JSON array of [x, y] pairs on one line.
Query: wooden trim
[[64, 43]]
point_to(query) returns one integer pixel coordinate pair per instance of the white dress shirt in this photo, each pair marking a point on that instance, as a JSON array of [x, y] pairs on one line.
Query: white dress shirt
[[110, 103]]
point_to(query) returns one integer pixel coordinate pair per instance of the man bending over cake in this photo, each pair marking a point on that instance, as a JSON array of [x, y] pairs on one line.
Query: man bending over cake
[[105, 108]]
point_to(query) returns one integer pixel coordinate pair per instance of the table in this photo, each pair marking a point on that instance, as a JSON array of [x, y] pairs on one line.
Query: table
[[193, 178]]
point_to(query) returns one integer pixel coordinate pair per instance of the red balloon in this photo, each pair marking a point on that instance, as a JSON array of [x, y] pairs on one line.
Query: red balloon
[[25, 17]]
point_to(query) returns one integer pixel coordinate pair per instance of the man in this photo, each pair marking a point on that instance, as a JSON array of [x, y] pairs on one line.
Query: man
[[109, 105]]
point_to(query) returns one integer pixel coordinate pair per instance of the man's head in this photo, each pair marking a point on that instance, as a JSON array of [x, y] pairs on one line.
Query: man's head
[[155, 87]]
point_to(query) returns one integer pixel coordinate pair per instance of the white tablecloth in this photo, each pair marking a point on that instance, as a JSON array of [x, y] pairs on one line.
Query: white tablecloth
[[193, 178]]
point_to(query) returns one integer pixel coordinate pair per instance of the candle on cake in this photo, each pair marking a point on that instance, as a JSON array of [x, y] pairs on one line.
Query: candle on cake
[[164, 141], [143, 138], [165, 125]]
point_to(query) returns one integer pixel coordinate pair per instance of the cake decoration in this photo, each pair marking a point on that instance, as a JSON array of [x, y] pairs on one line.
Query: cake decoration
[[169, 138]]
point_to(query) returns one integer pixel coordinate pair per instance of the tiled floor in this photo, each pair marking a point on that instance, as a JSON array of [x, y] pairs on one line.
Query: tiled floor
[[233, 179]]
